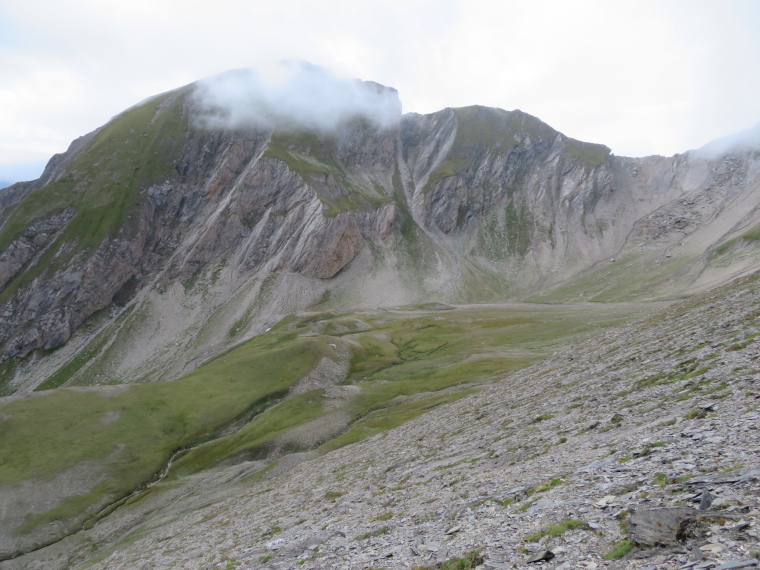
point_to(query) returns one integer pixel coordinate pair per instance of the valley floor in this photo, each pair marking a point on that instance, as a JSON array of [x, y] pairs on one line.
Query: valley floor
[[572, 456]]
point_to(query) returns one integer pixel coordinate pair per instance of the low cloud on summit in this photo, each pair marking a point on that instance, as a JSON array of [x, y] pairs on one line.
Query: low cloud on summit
[[295, 95], [747, 139]]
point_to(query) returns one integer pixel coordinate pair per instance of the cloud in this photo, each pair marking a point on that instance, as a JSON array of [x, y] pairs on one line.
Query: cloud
[[748, 139], [294, 95], [641, 76]]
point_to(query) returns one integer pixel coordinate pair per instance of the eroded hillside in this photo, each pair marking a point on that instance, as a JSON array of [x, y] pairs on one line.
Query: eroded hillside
[[156, 242]]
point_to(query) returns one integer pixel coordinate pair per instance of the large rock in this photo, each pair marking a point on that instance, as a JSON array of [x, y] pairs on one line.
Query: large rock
[[658, 527]]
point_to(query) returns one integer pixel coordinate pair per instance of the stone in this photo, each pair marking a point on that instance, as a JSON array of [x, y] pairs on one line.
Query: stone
[[653, 527], [541, 504], [706, 500], [735, 564], [540, 557], [736, 476]]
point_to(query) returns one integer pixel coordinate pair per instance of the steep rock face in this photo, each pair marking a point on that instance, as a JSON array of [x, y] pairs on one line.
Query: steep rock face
[[208, 235]]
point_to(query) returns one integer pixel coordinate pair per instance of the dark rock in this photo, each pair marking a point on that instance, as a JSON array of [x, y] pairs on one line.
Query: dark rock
[[706, 500], [540, 557], [695, 553], [658, 526]]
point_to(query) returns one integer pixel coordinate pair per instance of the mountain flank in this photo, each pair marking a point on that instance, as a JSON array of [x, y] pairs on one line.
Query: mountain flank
[[390, 341], [178, 240]]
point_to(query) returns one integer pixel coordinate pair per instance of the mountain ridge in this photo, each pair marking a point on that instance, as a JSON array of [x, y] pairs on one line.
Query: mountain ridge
[[194, 297], [468, 204]]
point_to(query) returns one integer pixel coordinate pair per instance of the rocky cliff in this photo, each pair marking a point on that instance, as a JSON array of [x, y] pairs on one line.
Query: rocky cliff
[[171, 240]]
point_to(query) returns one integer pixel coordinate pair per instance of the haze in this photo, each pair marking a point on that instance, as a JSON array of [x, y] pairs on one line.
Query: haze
[[643, 77]]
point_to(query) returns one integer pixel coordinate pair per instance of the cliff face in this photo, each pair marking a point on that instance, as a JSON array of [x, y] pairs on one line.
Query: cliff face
[[173, 241]]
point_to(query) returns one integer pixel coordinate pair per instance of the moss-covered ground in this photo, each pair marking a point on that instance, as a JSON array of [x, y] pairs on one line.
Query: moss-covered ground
[[401, 363]]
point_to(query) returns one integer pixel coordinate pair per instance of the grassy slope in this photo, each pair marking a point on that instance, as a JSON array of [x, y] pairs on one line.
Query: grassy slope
[[403, 354], [133, 151], [313, 158], [482, 130], [57, 430], [633, 277]]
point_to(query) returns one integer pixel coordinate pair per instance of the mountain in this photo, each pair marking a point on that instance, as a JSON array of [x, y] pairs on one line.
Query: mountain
[[180, 240], [191, 305]]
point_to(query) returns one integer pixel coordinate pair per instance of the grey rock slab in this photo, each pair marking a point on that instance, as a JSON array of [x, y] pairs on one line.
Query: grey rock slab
[[734, 564], [541, 505], [653, 527], [706, 500], [739, 475]]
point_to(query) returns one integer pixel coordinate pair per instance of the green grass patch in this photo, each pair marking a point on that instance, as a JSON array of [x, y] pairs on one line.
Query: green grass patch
[[317, 158], [234, 407], [388, 418], [132, 431], [555, 530], [622, 548], [543, 487]]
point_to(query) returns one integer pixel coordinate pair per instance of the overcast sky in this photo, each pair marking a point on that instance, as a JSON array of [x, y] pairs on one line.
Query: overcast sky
[[641, 76]]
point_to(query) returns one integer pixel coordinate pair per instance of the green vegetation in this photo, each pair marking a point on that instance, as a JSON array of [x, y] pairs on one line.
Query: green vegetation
[[102, 185], [591, 154], [545, 486], [470, 560], [622, 548], [400, 364], [660, 479], [484, 130], [132, 431], [555, 530], [542, 418], [633, 277], [66, 372], [388, 418], [519, 225], [750, 236], [316, 158]]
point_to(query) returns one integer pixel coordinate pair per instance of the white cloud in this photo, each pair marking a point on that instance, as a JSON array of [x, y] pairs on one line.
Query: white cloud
[[295, 95], [642, 76]]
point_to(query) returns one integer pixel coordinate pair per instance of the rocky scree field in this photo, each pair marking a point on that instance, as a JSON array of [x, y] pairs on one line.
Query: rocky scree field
[[572, 462], [312, 384], [637, 449]]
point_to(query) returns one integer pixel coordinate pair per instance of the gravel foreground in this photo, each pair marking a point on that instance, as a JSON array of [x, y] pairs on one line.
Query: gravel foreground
[[639, 449]]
